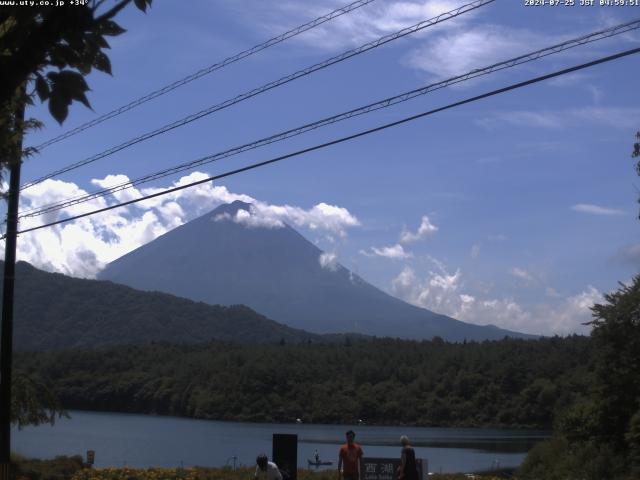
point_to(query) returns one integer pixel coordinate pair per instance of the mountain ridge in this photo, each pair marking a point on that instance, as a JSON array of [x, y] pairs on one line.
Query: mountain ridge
[[218, 259], [54, 311]]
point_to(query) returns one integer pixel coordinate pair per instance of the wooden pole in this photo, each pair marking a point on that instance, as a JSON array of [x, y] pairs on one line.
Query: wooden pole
[[6, 325]]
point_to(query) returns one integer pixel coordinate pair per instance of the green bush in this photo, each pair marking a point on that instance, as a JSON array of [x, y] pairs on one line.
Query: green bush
[[59, 468]]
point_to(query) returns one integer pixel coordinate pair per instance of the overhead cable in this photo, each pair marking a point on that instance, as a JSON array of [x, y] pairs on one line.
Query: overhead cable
[[344, 139], [207, 70], [266, 87], [387, 102]]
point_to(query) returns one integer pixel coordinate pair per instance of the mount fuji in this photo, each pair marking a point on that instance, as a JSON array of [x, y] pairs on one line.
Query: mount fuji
[[218, 259]]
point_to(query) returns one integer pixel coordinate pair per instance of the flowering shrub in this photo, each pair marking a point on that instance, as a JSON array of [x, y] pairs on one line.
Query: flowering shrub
[[199, 473]]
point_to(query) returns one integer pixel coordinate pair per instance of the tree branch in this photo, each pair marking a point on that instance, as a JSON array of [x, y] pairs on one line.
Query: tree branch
[[113, 12]]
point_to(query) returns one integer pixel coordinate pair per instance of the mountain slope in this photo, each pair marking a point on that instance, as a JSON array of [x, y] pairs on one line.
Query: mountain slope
[[276, 271], [53, 311]]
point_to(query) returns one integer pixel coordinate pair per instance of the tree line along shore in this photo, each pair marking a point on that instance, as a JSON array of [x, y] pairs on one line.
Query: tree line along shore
[[507, 383]]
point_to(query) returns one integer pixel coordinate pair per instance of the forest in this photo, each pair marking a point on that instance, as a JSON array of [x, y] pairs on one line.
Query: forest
[[598, 435], [515, 383], [55, 311]]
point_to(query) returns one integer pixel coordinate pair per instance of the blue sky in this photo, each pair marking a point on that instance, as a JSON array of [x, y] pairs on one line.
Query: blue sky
[[519, 210]]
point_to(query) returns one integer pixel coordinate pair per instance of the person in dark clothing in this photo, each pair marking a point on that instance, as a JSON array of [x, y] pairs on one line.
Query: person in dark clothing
[[407, 469]]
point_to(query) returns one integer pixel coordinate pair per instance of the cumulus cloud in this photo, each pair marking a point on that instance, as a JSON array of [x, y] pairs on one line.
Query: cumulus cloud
[[254, 220], [396, 252], [425, 230], [329, 261], [444, 292], [595, 209], [438, 292], [575, 307], [322, 217], [111, 181], [83, 247]]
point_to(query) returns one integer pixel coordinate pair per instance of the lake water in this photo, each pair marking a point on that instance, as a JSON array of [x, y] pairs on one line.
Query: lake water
[[145, 440]]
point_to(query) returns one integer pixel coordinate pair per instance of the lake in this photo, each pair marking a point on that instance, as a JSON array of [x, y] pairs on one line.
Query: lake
[[145, 440]]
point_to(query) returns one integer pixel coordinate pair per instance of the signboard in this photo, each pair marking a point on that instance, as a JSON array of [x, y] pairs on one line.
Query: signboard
[[387, 468], [285, 453]]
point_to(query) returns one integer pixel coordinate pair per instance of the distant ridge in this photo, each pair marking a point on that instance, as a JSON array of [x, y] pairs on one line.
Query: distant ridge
[[53, 311], [219, 259]]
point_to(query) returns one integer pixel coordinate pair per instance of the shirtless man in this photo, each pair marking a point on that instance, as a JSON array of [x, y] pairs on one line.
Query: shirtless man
[[350, 459]]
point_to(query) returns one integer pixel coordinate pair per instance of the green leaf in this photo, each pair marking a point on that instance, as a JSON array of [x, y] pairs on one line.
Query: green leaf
[[102, 62], [142, 4], [111, 28], [59, 108], [82, 98], [42, 88], [99, 40], [66, 87], [72, 80], [63, 55], [84, 68]]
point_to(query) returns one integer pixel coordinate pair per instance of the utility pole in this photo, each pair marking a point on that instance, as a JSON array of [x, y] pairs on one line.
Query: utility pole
[[6, 333]]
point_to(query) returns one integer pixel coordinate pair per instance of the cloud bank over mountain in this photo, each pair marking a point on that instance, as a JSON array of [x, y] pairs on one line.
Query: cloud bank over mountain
[[83, 247]]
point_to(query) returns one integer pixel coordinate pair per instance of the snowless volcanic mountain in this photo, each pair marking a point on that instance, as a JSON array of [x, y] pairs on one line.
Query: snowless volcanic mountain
[[277, 272]]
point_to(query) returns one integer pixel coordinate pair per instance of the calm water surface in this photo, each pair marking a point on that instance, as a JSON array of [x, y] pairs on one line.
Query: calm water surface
[[145, 440]]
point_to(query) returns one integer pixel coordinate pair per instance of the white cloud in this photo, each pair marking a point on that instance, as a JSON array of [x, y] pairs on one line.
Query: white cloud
[[475, 251], [444, 292], [253, 219], [111, 181], [574, 311], [466, 49], [438, 292], [595, 209], [84, 246], [324, 217], [321, 217], [329, 261], [523, 275], [395, 252], [361, 25], [612, 117], [425, 230]]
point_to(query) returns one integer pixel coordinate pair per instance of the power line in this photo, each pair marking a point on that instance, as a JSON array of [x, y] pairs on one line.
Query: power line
[[346, 138], [333, 119], [589, 38], [207, 70], [268, 86]]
